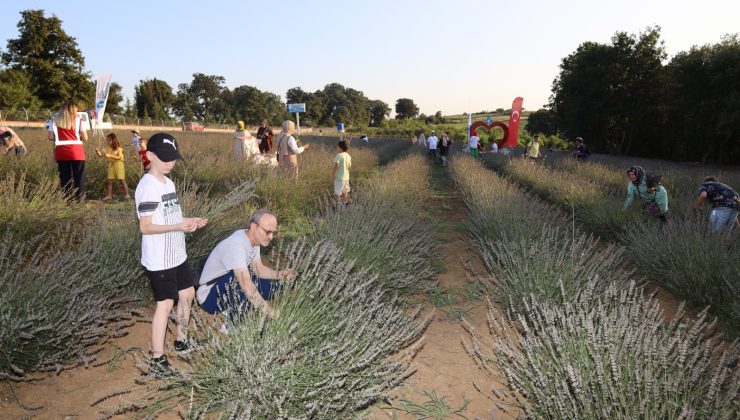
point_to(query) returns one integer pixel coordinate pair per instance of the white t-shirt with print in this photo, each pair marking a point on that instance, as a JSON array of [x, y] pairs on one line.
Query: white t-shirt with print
[[160, 251], [234, 252]]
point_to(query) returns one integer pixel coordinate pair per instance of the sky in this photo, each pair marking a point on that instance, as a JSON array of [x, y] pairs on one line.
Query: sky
[[449, 56]]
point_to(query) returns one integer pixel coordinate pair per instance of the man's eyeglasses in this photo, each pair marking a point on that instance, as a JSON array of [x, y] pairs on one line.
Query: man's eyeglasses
[[268, 232]]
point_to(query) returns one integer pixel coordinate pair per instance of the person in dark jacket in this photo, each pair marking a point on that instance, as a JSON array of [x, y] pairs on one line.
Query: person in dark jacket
[[725, 203]]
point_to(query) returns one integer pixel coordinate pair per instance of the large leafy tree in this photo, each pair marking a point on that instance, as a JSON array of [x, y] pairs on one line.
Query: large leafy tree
[[337, 103], [251, 105], [613, 94], [406, 108], [51, 60], [541, 121], [153, 98], [315, 105], [379, 112], [15, 91], [115, 98], [209, 97], [704, 103]]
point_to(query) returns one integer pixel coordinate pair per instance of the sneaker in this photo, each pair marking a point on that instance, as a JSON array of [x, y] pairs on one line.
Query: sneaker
[[188, 345], [160, 367], [224, 330]]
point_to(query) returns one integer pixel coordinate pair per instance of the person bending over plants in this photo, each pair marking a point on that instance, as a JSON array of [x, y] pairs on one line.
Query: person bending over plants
[[725, 204], [233, 278], [10, 142], [652, 195]]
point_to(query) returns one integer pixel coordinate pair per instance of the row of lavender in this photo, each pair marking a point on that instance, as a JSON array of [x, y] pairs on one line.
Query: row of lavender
[[684, 255], [572, 333]]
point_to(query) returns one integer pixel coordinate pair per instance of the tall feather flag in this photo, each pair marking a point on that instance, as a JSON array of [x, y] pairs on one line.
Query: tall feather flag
[[101, 95]]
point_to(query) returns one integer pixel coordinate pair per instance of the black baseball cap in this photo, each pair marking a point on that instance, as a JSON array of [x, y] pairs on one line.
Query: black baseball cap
[[164, 146]]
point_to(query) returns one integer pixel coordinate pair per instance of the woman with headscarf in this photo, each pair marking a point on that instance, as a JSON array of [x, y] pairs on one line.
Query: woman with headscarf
[[422, 141], [653, 196], [287, 147], [244, 144]]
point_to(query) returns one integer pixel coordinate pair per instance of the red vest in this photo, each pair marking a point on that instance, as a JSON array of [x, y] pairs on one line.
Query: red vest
[[69, 151]]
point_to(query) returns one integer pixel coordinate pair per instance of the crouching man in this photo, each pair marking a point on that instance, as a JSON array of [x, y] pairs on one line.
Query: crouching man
[[233, 278]]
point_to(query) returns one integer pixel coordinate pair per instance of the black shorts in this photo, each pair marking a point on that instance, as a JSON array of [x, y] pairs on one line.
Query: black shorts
[[167, 283]]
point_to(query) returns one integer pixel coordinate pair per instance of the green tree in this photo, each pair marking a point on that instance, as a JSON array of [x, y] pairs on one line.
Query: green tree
[[183, 104], [542, 121], [251, 105], [614, 94], [406, 108], [208, 97], [113, 107], [703, 103], [51, 59], [129, 109], [315, 104], [15, 91], [439, 118], [379, 112], [153, 98]]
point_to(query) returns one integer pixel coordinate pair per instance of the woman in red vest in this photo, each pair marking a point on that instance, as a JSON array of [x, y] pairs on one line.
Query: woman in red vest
[[67, 132]]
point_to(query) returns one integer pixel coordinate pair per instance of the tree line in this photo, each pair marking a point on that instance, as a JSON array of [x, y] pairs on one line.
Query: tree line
[[623, 98], [44, 66]]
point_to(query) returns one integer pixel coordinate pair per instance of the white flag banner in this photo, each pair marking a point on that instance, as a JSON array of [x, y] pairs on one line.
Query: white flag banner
[[470, 122], [101, 95]]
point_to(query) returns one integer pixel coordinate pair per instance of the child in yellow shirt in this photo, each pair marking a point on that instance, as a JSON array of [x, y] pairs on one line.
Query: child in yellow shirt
[[116, 168]]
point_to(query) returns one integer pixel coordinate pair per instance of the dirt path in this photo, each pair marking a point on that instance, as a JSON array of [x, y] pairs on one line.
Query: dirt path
[[443, 366]]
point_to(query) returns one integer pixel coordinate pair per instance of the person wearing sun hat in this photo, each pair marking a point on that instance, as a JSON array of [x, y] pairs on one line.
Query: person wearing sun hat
[[136, 141], [163, 255]]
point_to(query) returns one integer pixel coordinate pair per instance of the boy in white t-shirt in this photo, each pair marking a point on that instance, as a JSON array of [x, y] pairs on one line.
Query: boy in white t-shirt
[[340, 172], [163, 247], [473, 144]]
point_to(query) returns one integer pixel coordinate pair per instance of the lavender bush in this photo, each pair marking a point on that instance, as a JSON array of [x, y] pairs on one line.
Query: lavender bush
[[339, 343], [693, 263], [58, 307], [525, 245], [612, 355], [383, 229], [680, 255]]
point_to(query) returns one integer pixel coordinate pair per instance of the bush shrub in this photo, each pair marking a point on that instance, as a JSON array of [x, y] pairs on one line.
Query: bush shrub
[[612, 355], [692, 263], [333, 350]]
